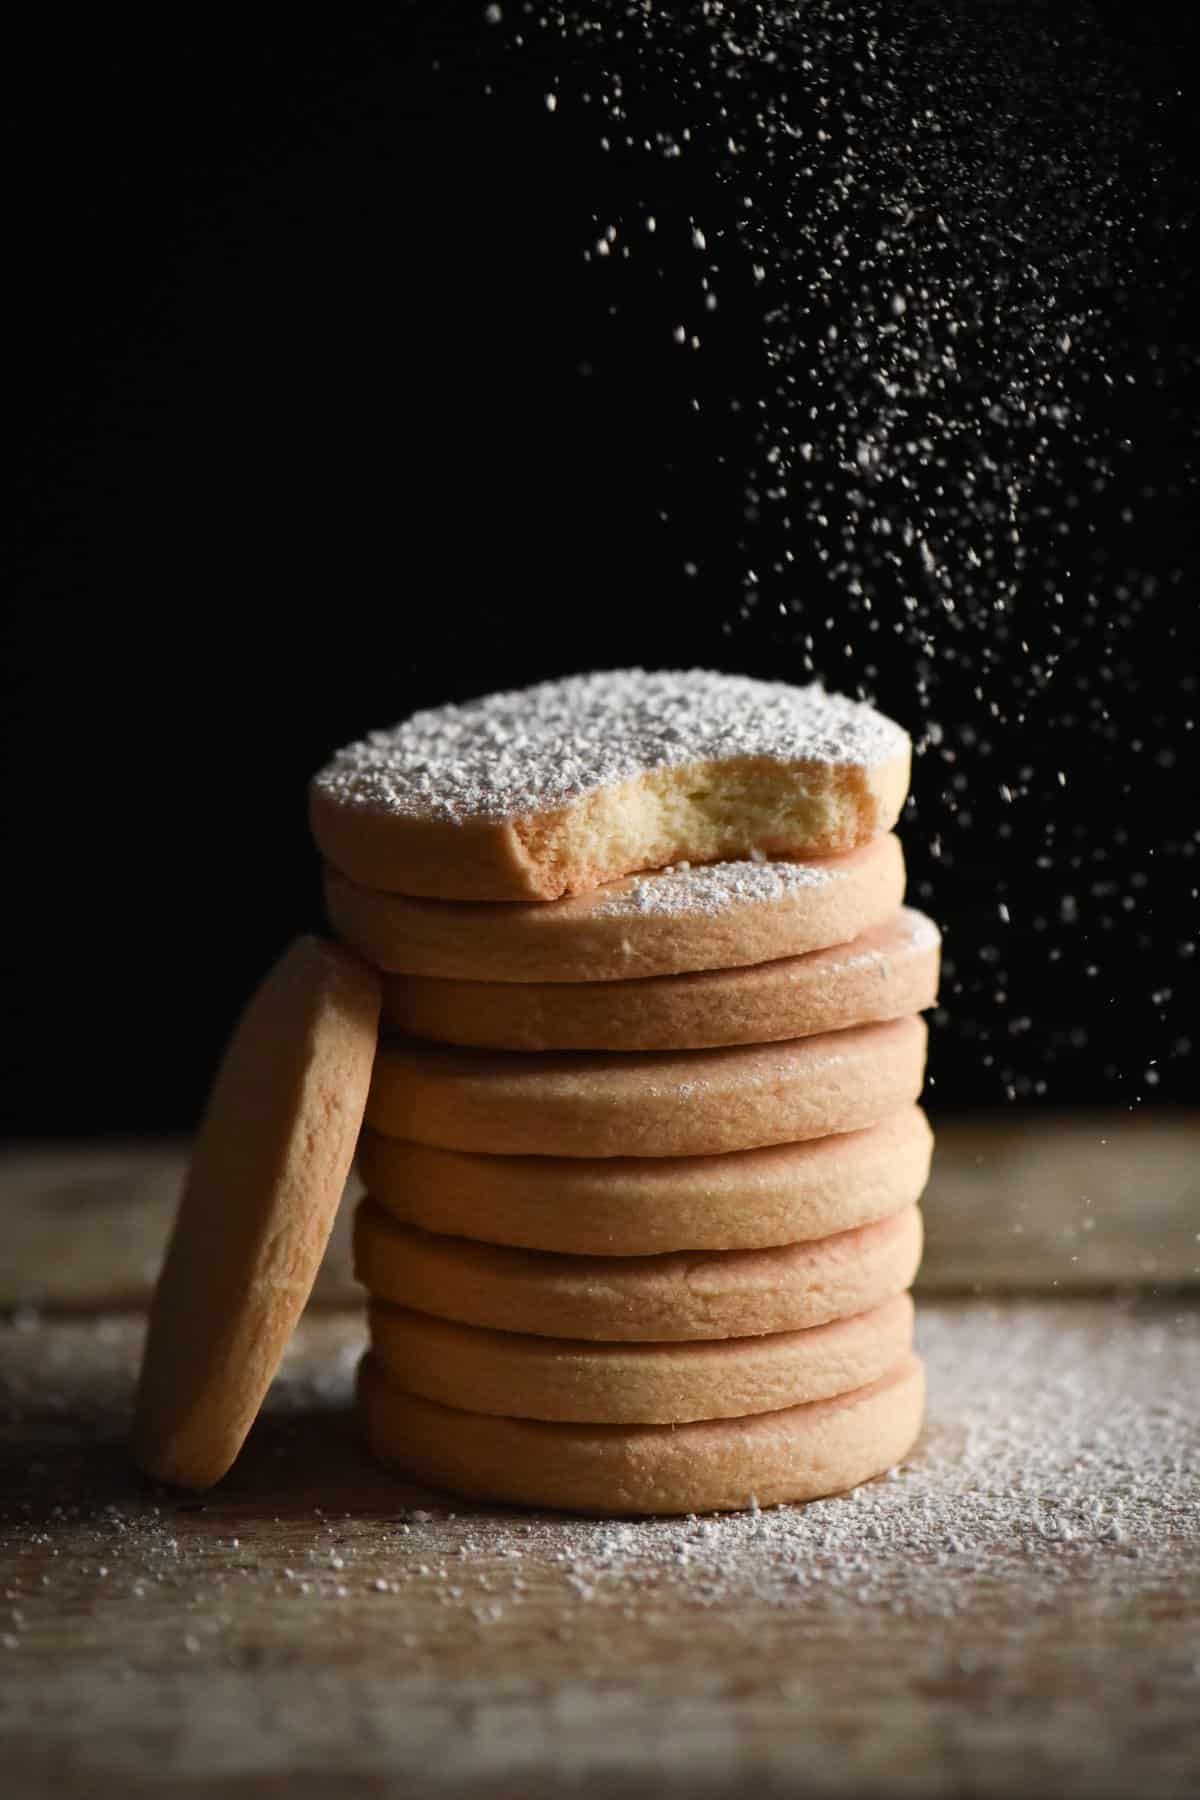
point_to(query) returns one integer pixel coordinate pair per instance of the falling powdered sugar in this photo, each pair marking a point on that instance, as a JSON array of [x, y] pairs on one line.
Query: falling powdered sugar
[[530, 750], [904, 285]]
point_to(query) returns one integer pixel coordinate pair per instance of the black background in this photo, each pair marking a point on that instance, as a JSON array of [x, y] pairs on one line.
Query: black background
[[322, 416]]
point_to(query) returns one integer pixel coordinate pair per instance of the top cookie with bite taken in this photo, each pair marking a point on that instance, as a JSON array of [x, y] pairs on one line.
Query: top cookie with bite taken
[[554, 789]]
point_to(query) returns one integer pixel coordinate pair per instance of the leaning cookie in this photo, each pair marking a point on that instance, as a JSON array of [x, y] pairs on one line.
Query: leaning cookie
[[265, 1180], [714, 1465], [557, 788]]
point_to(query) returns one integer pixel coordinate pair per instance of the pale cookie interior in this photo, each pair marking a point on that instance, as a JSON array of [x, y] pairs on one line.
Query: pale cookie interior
[[706, 813]]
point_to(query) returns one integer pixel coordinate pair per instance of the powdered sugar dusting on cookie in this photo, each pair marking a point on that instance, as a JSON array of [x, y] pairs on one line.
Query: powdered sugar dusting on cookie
[[917, 933], [715, 888], [515, 754], [919, 929]]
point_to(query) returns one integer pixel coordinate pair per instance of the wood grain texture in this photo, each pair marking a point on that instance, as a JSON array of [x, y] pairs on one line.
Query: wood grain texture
[[1017, 1613], [1015, 1202]]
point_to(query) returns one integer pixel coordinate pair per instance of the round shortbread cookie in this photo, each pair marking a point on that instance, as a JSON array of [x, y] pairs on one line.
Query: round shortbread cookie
[[715, 916], [714, 1465], [671, 1298], [266, 1176], [648, 1103], [886, 973], [528, 1377], [639, 1206], [554, 789]]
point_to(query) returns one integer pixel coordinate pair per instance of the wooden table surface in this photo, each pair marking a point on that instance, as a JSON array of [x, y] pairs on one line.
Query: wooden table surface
[[1016, 1611]]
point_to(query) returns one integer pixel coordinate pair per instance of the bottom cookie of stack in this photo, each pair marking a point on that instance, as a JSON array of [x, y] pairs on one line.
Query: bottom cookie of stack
[[712, 1465], [681, 1382]]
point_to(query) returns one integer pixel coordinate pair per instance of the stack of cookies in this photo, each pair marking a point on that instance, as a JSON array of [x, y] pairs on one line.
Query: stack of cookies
[[642, 1149]]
